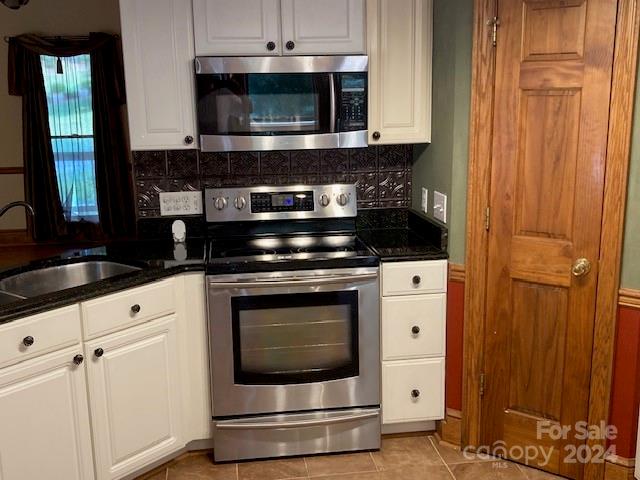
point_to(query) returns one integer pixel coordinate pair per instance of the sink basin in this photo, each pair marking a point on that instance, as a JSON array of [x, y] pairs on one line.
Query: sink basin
[[53, 279]]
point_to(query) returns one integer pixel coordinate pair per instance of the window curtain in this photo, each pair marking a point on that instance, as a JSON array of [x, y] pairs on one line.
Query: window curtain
[[113, 177]]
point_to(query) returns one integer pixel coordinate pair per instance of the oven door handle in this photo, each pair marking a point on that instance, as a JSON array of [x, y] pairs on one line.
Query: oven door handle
[[287, 282], [296, 424]]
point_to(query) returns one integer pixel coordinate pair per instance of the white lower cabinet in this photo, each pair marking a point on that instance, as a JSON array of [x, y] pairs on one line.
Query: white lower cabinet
[[134, 391], [413, 391], [44, 419], [413, 315]]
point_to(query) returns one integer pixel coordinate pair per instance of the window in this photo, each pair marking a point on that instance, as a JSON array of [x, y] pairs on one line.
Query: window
[[67, 84]]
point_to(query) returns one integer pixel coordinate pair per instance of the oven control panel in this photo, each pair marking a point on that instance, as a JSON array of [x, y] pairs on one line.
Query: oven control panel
[[280, 203]]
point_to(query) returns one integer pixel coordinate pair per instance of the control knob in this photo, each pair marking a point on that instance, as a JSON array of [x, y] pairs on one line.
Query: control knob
[[240, 203], [220, 203], [343, 200], [325, 200]]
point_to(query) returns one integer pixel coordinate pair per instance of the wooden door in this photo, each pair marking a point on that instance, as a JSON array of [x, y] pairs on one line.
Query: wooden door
[[330, 27], [134, 391], [44, 419], [157, 43], [552, 92], [237, 27]]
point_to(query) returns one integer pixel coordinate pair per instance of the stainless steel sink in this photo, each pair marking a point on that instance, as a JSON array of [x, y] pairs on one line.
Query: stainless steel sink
[[7, 298], [53, 279]]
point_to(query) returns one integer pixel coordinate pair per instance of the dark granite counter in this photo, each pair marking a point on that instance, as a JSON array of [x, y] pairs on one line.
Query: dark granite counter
[[402, 235], [156, 260]]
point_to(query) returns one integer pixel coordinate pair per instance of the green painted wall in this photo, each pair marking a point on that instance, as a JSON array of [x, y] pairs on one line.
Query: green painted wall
[[631, 254], [442, 165]]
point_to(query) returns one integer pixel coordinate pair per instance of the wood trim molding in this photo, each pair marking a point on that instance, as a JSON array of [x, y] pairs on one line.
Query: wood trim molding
[[479, 171], [456, 272], [11, 171], [615, 471], [625, 63], [629, 298]]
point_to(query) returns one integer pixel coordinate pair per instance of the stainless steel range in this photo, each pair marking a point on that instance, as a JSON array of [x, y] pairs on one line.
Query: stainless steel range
[[294, 323]]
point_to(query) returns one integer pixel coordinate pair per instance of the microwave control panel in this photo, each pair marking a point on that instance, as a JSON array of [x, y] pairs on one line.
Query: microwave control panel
[[353, 101]]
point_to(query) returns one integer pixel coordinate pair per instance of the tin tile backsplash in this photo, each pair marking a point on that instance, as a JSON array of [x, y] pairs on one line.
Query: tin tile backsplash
[[382, 174]]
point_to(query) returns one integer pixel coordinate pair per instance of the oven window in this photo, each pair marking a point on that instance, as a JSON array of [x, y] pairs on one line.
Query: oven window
[[301, 338], [263, 104]]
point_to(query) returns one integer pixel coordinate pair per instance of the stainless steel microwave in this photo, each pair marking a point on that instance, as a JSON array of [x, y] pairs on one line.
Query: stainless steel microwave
[[281, 103]]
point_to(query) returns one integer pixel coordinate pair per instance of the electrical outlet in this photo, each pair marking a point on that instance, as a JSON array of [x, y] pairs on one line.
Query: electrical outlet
[[425, 200], [174, 204], [440, 206]]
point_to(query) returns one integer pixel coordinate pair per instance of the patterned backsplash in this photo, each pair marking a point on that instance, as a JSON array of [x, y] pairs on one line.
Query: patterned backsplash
[[382, 174]]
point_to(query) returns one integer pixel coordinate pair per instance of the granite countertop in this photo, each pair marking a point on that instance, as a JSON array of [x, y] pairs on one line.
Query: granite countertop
[[156, 260], [391, 234]]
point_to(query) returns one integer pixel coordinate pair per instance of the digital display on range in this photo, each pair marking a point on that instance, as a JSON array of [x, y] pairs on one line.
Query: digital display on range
[[282, 200]]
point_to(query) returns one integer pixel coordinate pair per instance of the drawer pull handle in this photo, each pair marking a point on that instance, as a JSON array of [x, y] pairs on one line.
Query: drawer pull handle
[[28, 341], [78, 359], [415, 393], [415, 330], [135, 309], [98, 352], [416, 280]]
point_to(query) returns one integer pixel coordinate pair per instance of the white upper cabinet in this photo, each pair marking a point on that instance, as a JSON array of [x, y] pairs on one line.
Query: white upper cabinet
[[312, 27], [237, 27], [277, 27], [157, 41], [399, 46]]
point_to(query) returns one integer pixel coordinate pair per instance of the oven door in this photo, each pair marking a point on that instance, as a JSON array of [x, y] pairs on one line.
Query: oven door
[[294, 341], [284, 103]]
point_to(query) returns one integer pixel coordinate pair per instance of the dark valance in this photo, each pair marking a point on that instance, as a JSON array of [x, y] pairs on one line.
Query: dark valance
[[113, 177]]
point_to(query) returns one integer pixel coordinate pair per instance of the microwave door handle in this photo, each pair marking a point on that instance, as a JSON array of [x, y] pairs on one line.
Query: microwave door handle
[[333, 100], [295, 424], [289, 282]]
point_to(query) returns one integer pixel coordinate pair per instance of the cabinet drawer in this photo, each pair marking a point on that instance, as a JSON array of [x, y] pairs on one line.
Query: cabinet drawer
[[129, 307], [39, 334], [413, 326], [412, 391], [414, 278]]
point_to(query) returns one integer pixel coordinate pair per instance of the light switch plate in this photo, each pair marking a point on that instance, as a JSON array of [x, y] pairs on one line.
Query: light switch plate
[[425, 200], [440, 206], [174, 204]]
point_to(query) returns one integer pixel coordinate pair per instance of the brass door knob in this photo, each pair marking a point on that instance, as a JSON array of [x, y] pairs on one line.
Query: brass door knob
[[581, 268]]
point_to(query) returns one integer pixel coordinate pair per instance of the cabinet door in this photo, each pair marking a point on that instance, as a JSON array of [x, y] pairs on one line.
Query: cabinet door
[[237, 27], [157, 41], [44, 419], [323, 28], [400, 36], [134, 390]]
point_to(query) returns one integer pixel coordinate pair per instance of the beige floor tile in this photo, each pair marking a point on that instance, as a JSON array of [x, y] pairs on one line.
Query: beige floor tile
[[201, 467], [499, 470], [533, 474], [273, 469], [353, 476], [425, 472], [340, 464], [162, 475], [406, 452], [452, 455]]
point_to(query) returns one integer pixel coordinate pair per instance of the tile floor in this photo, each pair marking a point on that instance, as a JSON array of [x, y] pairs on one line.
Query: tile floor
[[401, 458]]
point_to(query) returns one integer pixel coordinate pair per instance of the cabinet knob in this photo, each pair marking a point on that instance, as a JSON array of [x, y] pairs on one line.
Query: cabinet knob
[[376, 135], [291, 45], [78, 359], [415, 393], [415, 330], [98, 352], [28, 341], [135, 309], [188, 140], [416, 280], [271, 46]]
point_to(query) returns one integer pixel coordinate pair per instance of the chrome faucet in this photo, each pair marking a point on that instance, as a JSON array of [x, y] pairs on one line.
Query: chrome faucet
[[9, 206]]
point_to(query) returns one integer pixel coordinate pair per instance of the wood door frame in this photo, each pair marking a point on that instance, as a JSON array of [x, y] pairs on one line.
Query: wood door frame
[[478, 192]]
